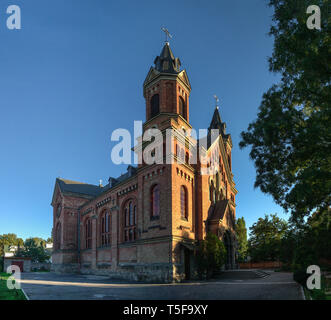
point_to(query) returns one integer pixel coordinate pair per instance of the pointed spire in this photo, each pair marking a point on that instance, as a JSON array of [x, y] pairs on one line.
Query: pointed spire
[[166, 61], [216, 121]]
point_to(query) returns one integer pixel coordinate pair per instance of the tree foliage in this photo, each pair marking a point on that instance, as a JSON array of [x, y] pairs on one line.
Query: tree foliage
[[241, 232], [210, 256], [291, 138], [265, 238], [9, 239], [35, 249]]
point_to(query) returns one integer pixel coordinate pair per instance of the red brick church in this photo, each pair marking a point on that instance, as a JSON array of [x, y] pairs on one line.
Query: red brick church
[[144, 224]]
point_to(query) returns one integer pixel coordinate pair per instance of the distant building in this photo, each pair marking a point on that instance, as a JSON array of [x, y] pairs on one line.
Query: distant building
[[10, 251]]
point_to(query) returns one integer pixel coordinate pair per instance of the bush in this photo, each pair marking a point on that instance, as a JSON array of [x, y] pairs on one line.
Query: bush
[[210, 256], [318, 294], [1, 264], [300, 276]]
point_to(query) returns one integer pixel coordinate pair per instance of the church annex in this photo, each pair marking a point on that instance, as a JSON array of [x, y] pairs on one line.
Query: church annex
[[144, 224]]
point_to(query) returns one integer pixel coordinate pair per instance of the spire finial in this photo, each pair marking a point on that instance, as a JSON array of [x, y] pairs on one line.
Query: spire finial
[[167, 34], [216, 101]]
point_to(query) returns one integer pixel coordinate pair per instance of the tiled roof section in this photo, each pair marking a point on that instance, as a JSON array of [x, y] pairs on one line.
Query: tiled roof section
[[217, 210], [93, 190], [79, 187]]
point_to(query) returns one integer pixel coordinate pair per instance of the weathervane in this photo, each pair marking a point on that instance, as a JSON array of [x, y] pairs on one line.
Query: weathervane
[[167, 34], [216, 101]]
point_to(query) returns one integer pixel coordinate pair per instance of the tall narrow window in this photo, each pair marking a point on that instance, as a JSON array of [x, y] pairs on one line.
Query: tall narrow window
[[106, 229], [58, 237], [182, 108], [183, 202], [88, 234], [130, 221], [155, 105], [155, 201]]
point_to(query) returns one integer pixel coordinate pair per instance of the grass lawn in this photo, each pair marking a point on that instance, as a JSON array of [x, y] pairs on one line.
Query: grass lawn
[[5, 293]]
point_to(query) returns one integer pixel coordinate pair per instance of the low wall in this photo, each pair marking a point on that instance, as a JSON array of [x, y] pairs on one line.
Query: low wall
[[260, 265], [40, 266], [24, 262]]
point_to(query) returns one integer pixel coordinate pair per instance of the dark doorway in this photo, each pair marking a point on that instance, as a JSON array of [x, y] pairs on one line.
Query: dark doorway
[[187, 264], [228, 247]]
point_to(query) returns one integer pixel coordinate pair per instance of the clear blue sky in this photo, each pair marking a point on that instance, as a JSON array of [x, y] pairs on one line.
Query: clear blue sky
[[75, 71]]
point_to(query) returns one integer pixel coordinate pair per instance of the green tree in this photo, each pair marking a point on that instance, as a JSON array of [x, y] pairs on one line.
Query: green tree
[[291, 138], [35, 249], [9, 239], [210, 256], [265, 238], [241, 232]]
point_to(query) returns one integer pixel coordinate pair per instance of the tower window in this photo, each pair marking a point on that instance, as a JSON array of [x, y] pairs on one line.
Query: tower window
[[155, 105], [183, 202], [182, 108]]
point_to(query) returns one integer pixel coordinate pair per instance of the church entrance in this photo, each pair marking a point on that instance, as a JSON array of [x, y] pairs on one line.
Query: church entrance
[[229, 248], [187, 264]]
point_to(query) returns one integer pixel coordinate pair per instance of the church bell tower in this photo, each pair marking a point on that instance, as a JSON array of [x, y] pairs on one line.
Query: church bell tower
[[166, 87]]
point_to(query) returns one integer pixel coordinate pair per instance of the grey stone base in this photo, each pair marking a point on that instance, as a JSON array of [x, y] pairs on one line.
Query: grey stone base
[[65, 268], [152, 273]]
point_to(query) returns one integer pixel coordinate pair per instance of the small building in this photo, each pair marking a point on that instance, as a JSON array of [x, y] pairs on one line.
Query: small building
[[24, 263], [10, 250]]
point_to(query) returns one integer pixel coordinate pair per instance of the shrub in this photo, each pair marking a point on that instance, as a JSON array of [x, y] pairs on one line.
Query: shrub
[[300, 276], [210, 256]]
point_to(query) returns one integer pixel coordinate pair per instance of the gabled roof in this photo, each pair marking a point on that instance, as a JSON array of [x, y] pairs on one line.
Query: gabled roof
[[218, 210], [69, 186]]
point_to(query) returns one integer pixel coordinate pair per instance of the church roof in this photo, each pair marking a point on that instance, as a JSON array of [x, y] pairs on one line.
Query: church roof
[[79, 187], [218, 209], [166, 61], [69, 186]]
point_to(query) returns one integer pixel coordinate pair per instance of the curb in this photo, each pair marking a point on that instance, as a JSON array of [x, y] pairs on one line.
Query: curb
[[303, 293], [26, 296]]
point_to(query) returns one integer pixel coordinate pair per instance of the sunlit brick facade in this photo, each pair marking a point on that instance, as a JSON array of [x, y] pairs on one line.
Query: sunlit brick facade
[[145, 224]]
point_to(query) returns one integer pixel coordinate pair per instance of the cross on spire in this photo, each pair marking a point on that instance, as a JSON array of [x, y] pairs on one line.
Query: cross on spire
[[167, 34], [216, 100]]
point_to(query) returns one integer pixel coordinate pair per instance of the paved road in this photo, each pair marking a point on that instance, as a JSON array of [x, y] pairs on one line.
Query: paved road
[[234, 285]]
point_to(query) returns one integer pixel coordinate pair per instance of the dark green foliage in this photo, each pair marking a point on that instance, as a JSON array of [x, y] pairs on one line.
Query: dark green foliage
[[241, 233], [266, 237], [290, 139], [210, 256], [301, 276]]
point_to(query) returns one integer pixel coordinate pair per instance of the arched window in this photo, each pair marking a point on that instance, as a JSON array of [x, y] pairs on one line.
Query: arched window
[[187, 158], [88, 233], [155, 105], [182, 108], [155, 201], [106, 229], [58, 237], [183, 202], [130, 222]]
